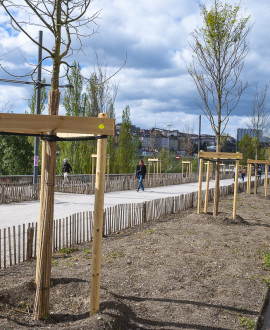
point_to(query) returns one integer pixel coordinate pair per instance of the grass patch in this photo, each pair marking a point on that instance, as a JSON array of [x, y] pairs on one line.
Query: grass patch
[[266, 258], [65, 250], [247, 323], [149, 231], [116, 255]]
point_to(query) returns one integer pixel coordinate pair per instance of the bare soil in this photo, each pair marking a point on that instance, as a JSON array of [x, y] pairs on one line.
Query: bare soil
[[186, 271]]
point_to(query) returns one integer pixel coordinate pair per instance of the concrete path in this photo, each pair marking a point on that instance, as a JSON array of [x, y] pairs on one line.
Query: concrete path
[[67, 204]]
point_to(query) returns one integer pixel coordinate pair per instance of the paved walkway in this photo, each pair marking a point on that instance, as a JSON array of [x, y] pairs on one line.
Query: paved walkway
[[67, 204]]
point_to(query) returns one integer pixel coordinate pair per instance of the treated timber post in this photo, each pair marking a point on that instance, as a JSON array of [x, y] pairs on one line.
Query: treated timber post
[[200, 186], [43, 272], [216, 193], [29, 249], [256, 179], [266, 179], [148, 170], [98, 223], [207, 187], [235, 189]]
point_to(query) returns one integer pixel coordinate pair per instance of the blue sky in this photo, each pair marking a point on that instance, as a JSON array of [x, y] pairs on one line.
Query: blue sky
[[154, 82]]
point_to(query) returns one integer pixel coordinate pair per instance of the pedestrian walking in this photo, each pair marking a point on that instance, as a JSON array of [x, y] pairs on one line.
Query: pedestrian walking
[[140, 174], [66, 170], [243, 172]]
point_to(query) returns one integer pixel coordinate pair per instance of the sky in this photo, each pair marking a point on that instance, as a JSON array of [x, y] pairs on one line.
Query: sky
[[153, 36]]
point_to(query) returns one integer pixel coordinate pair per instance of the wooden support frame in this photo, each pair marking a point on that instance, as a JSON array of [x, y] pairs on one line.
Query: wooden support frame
[[94, 157], [157, 171], [188, 168], [219, 155], [255, 162], [53, 124], [42, 124]]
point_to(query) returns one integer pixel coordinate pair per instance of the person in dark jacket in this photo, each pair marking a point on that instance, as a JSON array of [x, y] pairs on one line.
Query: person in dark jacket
[[140, 174], [66, 170]]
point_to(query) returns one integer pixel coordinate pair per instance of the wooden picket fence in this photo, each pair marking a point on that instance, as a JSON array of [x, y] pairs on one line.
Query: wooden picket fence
[[17, 244], [18, 192]]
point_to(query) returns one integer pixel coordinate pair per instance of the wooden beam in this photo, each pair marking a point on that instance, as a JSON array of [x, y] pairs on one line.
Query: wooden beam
[[153, 160], [220, 155], [253, 161], [42, 124]]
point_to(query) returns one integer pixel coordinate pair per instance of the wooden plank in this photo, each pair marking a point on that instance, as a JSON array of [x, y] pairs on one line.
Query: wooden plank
[[207, 188], [32, 124], [220, 155], [253, 161]]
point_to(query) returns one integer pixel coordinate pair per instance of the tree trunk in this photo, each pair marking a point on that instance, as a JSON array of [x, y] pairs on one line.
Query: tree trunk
[[43, 272]]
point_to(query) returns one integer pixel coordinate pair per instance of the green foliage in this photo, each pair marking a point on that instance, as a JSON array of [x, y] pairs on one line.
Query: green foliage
[[66, 250], [265, 255], [76, 104], [247, 148], [247, 323], [125, 151], [16, 154]]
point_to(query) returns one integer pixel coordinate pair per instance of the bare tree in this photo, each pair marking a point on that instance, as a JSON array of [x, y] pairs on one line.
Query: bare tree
[[219, 49], [65, 20], [259, 120]]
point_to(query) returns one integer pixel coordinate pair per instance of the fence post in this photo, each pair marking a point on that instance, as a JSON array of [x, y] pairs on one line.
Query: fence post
[[29, 249], [144, 212]]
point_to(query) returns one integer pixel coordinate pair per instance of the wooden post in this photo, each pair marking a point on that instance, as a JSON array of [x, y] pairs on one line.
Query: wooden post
[[93, 169], [148, 170], [160, 168], [266, 179], [41, 306], [144, 212], [29, 249], [249, 178], [256, 179], [98, 223], [191, 169], [216, 193], [207, 187], [235, 189], [200, 186]]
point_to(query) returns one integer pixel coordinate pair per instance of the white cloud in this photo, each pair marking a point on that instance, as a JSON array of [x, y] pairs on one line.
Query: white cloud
[[154, 34]]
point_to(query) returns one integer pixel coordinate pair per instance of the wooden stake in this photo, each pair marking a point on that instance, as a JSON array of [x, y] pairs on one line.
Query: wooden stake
[[200, 186], [207, 187], [216, 193], [235, 189], [256, 179], [98, 224], [93, 169], [41, 306], [266, 179]]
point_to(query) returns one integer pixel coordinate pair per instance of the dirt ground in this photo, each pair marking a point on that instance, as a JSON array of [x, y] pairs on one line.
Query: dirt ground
[[186, 271]]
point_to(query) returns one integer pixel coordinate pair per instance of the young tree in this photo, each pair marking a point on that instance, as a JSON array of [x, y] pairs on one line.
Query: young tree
[[125, 150], [16, 154], [219, 49], [64, 20], [259, 116], [246, 147], [75, 103]]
